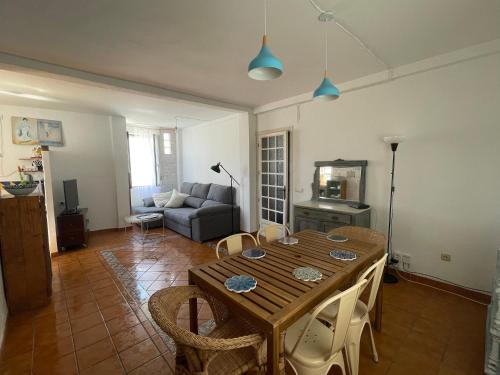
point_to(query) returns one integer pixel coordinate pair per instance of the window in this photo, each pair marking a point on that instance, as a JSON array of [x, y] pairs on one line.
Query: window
[[143, 164], [167, 144]]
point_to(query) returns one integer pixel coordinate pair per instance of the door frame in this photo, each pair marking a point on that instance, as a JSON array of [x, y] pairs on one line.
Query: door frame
[[287, 132]]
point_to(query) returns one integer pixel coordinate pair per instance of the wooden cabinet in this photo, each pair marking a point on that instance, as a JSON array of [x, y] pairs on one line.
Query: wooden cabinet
[[325, 216], [72, 229], [26, 265]]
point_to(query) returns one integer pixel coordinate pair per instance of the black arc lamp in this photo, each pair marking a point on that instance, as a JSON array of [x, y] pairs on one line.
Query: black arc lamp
[[390, 278], [217, 168]]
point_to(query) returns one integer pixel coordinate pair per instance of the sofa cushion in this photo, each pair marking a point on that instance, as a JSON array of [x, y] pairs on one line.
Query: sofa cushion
[[148, 202], [209, 203], [186, 187], [147, 210], [200, 190], [193, 202], [179, 215], [220, 193]]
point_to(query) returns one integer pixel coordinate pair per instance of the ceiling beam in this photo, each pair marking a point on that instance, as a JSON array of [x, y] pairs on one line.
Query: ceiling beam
[[26, 65]]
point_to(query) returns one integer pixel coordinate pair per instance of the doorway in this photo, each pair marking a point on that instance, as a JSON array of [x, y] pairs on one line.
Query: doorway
[[273, 174]]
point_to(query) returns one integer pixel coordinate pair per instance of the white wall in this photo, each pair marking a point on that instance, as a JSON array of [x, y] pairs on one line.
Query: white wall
[[119, 149], [229, 141], [447, 180], [94, 152]]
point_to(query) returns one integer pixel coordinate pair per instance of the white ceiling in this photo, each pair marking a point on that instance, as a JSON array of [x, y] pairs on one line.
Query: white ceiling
[[203, 47], [44, 92]]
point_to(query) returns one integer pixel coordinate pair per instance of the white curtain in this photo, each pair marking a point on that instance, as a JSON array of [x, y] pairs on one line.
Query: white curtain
[[138, 193], [142, 156]]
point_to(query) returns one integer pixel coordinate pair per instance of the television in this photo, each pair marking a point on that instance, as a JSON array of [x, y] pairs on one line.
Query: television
[[71, 196]]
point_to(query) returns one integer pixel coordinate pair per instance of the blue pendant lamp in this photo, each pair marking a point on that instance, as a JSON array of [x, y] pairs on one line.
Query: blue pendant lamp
[[265, 66], [326, 91]]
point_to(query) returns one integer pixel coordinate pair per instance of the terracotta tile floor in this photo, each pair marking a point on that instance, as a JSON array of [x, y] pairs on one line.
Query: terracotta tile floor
[[97, 321]]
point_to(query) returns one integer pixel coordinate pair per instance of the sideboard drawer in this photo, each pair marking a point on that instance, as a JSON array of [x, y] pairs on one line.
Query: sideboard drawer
[[323, 215]]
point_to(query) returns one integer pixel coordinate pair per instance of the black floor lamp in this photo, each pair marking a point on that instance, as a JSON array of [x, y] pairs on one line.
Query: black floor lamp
[[389, 278], [216, 168]]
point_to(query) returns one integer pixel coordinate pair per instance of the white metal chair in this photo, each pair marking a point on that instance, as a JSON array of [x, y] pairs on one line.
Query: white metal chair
[[311, 348], [273, 232], [361, 315], [234, 243]]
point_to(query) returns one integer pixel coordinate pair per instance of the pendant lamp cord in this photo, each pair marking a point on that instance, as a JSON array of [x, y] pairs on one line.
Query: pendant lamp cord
[[265, 17], [326, 48]]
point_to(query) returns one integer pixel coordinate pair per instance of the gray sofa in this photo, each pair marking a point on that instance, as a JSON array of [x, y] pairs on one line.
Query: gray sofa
[[206, 213]]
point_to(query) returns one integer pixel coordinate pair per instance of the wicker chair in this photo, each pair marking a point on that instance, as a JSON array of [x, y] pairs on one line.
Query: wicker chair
[[233, 347], [362, 234]]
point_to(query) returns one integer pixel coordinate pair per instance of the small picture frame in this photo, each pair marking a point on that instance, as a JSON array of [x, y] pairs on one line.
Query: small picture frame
[[50, 133], [24, 131]]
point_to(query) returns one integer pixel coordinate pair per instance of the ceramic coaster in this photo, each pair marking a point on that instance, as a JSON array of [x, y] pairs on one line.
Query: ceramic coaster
[[253, 253], [289, 240], [337, 238], [240, 284], [343, 255], [307, 274]]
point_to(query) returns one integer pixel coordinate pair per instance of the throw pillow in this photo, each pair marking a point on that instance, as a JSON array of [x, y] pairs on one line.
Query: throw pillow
[[148, 202], [177, 199], [161, 199]]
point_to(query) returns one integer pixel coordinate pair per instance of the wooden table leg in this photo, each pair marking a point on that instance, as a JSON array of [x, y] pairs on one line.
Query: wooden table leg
[[276, 352], [378, 307], [193, 313]]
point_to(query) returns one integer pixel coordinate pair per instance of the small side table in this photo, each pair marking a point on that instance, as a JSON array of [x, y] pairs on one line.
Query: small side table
[[143, 220]]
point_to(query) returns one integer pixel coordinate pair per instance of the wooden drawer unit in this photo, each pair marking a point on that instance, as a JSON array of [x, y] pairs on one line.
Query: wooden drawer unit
[[26, 264], [325, 216], [70, 223], [72, 230]]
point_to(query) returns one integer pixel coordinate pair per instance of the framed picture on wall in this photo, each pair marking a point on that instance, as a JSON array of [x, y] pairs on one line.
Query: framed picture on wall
[[50, 133], [24, 131]]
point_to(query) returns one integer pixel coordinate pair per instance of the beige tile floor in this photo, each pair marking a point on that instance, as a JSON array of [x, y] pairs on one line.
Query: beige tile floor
[[93, 324]]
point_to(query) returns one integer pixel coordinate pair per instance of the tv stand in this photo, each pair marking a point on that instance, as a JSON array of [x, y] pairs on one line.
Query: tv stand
[[72, 229], [71, 212]]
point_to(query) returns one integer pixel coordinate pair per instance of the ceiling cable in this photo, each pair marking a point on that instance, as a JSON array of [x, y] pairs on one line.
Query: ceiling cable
[[351, 34]]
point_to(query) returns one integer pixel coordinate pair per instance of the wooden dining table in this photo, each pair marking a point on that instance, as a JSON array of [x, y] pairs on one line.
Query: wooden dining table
[[280, 299]]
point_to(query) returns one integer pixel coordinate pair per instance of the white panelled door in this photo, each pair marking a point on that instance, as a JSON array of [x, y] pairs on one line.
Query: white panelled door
[[273, 178]]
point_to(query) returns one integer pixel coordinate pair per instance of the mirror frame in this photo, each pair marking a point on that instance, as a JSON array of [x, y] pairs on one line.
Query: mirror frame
[[340, 163]]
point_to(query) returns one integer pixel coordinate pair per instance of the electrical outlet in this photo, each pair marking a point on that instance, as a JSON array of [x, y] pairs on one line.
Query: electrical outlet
[[405, 262], [445, 257], [397, 256]]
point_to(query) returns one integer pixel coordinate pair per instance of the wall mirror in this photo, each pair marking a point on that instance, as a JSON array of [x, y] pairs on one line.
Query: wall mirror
[[340, 181]]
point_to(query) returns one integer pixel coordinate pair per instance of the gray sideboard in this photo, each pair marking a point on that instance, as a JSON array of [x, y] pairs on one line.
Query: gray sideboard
[[325, 216]]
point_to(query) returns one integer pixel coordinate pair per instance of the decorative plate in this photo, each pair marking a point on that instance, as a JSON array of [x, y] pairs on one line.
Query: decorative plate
[[240, 284], [289, 240], [343, 254], [307, 274], [337, 238], [253, 253]]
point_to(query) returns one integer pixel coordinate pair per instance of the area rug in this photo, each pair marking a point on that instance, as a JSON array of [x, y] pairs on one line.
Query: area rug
[[138, 293]]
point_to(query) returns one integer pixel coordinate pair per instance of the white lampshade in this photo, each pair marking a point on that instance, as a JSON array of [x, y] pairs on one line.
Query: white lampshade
[[394, 139]]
